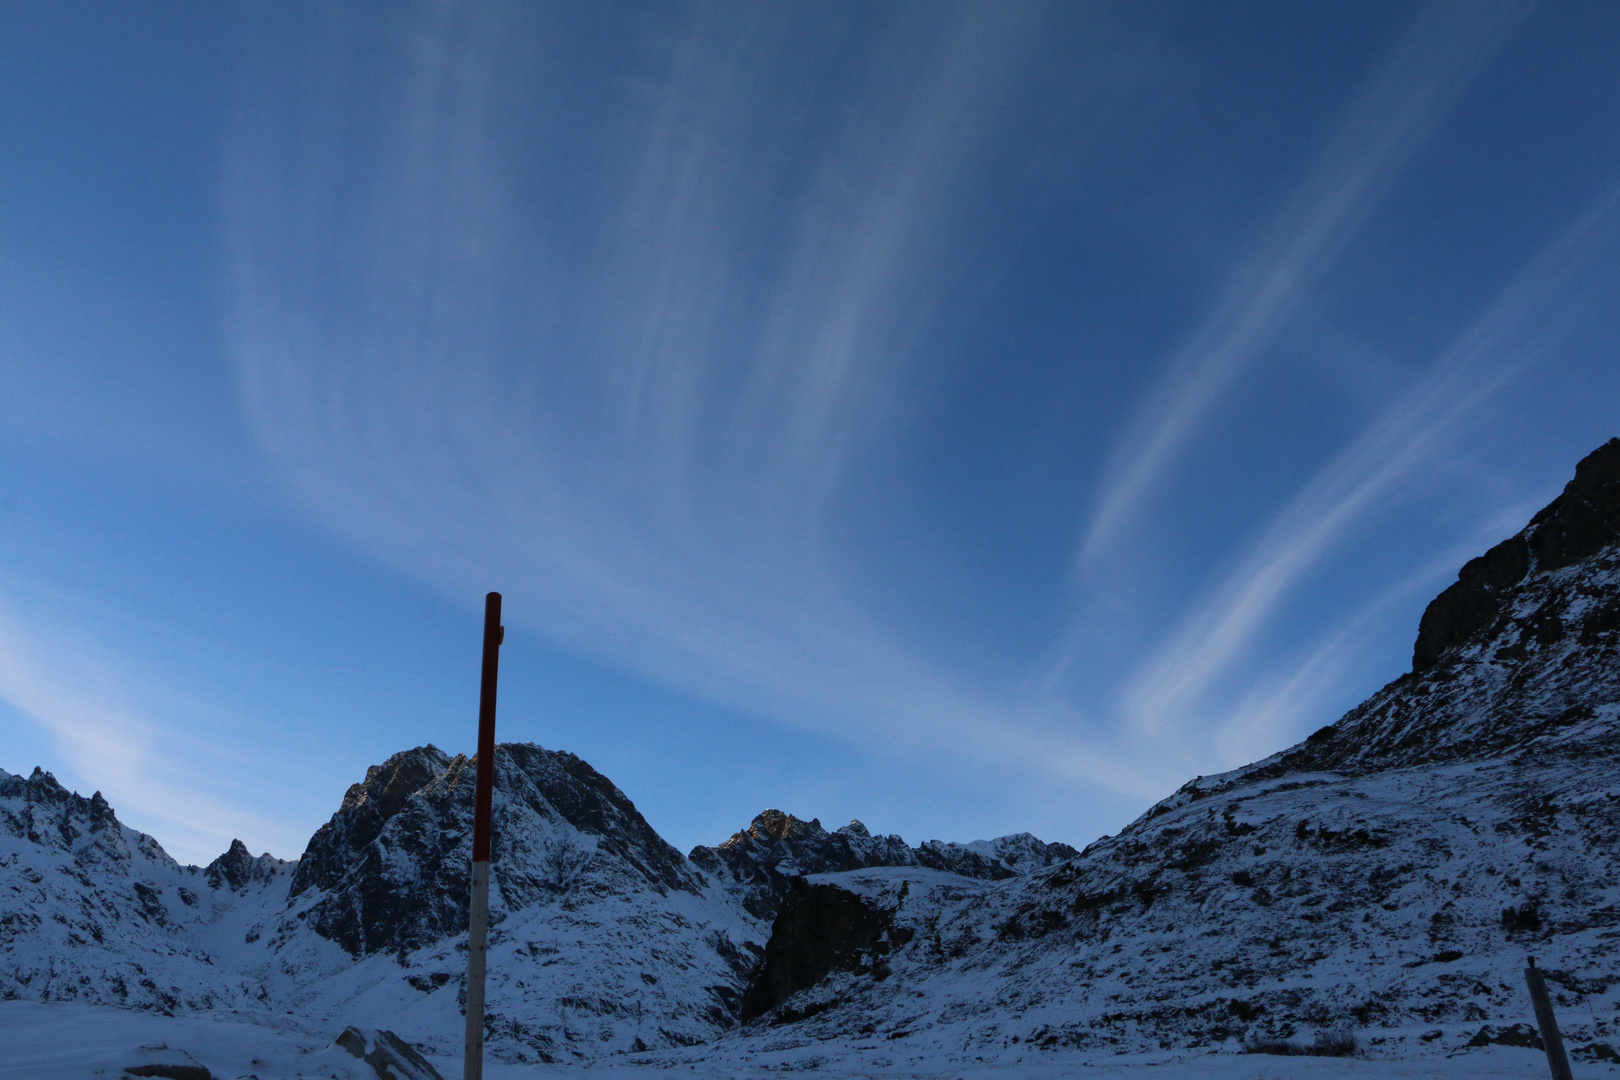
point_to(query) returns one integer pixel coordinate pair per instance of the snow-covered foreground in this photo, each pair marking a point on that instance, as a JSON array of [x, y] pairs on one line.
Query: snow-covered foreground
[[69, 1041]]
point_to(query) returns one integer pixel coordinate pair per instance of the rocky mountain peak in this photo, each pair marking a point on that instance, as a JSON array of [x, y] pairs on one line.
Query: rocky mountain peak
[[45, 780], [1582, 521], [390, 867], [1518, 657], [1585, 518], [39, 809], [367, 809], [760, 863], [232, 870], [776, 827], [237, 869]]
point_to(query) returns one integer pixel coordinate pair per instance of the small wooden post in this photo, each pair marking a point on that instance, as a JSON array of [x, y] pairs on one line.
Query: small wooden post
[[1547, 1023], [483, 799]]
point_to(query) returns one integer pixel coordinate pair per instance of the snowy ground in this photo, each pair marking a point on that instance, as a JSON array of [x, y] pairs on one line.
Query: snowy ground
[[69, 1041]]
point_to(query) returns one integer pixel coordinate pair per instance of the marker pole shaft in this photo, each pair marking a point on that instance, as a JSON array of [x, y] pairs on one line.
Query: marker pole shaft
[[483, 800], [1547, 1023]]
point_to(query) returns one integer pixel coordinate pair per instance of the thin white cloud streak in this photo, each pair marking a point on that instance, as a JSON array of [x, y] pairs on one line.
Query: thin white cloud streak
[[1269, 714], [1162, 698], [655, 494], [1444, 48], [82, 695]]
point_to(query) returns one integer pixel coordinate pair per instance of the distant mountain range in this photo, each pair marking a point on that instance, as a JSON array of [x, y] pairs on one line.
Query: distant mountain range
[[604, 938], [1388, 875]]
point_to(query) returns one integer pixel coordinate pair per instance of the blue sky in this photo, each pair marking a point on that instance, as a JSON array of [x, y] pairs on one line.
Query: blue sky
[[969, 418]]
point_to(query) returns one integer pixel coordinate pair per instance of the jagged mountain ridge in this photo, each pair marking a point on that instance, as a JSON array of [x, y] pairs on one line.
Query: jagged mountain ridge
[[1582, 521], [392, 863], [1388, 873], [237, 869], [604, 938], [93, 910], [1391, 872], [759, 864]]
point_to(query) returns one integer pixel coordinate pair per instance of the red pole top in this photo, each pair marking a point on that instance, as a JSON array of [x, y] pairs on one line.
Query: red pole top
[[484, 789]]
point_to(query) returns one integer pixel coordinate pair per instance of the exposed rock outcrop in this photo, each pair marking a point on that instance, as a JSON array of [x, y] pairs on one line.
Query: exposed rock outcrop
[[1391, 871], [760, 863], [820, 929], [391, 865], [1582, 521], [236, 869], [390, 1057]]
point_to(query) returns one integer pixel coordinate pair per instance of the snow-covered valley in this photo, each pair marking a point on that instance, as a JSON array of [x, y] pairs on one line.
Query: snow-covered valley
[[1382, 882]]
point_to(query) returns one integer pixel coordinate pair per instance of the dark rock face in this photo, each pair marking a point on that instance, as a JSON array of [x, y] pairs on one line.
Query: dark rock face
[[820, 929], [43, 812], [164, 1063], [1531, 654], [994, 860], [1515, 1035], [1585, 519], [236, 869], [1472, 602], [387, 840], [391, 866], [1582, 521], [368, 808], [761, 863]]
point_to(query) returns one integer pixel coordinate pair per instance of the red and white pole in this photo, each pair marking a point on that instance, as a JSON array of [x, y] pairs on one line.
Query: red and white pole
[[483, 798]]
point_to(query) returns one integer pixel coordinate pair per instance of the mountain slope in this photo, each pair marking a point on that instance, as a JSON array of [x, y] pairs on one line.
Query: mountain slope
[[1388, 874], [758, 865], [603, 937], [1391, 872], [91, 910]]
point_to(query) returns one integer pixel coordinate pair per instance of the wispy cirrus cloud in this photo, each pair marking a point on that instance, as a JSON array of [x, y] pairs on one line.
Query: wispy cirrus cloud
[[636, 431], [1445, 46], [1166, 697], [635, 408], [110, 726]]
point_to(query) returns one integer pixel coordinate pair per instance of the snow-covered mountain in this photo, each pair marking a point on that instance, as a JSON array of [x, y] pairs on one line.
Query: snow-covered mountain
[[1389, 874], [93, 910], [759, 864], [604, 938]]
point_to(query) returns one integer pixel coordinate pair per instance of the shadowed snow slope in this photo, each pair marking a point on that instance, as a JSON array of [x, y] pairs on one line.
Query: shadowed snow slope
[[95, 911]]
